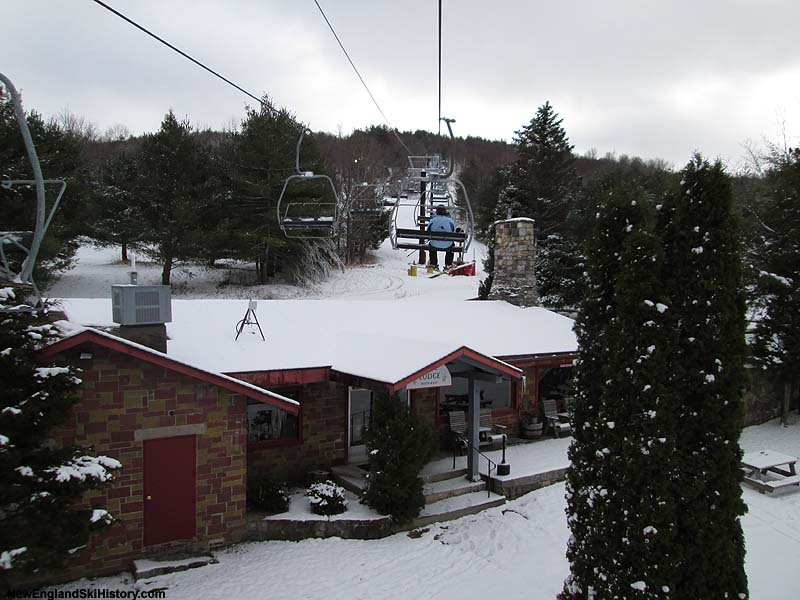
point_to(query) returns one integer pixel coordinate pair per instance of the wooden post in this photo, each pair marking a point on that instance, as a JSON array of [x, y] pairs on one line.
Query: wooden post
[[473, 422], [422, 226], [787, 398]]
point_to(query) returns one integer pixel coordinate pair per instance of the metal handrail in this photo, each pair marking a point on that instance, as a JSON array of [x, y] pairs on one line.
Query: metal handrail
[[490, 463]]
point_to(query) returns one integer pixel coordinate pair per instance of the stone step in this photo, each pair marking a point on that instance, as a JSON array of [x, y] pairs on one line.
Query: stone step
[[450, 488], [145, 568], [455, 508], [441, 476], [350, 477]]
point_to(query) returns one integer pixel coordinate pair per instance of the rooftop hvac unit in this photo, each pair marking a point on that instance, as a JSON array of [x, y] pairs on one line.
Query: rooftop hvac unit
[[141, 304]]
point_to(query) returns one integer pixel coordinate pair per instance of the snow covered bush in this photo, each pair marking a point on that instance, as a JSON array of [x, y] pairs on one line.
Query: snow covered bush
[[268, 495], [326, 498], [42, 519]]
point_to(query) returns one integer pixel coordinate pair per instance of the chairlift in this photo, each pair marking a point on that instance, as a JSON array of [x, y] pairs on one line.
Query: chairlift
[[437, 175], [308, 204], [366, 203], [20, 249]]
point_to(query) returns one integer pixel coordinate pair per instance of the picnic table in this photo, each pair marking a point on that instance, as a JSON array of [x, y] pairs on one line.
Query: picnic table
[[757, 465]]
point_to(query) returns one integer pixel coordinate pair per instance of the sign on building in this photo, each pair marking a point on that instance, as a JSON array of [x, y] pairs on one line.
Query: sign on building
[[437, 378]]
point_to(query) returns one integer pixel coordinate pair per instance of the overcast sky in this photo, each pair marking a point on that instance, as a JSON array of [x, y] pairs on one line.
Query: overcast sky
[[656, 79]]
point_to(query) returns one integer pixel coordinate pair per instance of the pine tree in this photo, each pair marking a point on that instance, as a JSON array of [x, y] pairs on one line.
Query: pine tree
[[40, 484], [619, 486], [173, 194], [778, 332], [702, 276], [542, 184], [399, 446]]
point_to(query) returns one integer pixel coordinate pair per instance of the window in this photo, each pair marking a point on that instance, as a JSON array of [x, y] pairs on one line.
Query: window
[[267, 423], [493, 395]]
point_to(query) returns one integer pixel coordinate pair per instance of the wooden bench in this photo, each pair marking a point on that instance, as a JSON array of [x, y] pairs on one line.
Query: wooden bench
[[458, 428]]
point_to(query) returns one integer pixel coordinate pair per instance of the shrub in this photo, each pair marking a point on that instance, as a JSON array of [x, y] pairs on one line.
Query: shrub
[[268, 495], [326, 498], [399, 447]]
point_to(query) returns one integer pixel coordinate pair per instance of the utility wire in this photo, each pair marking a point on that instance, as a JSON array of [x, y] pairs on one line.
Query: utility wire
[[182, 53], [361, 79]]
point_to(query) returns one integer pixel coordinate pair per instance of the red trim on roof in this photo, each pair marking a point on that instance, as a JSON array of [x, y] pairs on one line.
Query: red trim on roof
[[490, 362], [284, 376], [157, 358]]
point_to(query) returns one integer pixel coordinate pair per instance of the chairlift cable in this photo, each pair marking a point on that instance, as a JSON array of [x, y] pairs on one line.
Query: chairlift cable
[[440, 67], [182, 53], [361, 79]]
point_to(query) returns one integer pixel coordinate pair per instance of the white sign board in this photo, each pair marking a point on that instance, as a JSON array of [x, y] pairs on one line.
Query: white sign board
[[437, 378]]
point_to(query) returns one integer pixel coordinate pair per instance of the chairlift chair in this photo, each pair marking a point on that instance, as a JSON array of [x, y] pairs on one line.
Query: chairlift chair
[[438, 174], [20, 249], [308, 206], [366, 203]]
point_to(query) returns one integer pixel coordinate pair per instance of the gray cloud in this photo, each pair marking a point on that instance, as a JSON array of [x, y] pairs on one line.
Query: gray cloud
[[655, 79]]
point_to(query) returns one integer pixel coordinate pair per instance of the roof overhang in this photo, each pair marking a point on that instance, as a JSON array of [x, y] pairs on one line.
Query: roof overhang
[[123, 346], [552, 359], [473, 359]]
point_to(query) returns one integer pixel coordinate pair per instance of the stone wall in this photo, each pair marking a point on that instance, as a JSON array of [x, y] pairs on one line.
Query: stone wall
[[323, 418], [514, 262], [120, 398]]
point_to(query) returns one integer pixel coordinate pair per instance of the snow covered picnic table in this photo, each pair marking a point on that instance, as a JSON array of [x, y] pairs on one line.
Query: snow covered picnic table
[[759, 464]]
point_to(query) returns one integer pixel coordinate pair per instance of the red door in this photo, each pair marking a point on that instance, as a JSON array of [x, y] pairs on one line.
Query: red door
[[169, 489]]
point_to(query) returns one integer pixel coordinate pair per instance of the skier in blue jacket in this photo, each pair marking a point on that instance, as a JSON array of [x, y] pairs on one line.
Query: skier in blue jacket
[[441, 221]]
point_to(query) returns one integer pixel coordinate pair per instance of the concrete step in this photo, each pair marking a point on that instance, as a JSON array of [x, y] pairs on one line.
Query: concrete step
[[455, 508], [441, 476], [350, 477], [144, 568], [450, 488]]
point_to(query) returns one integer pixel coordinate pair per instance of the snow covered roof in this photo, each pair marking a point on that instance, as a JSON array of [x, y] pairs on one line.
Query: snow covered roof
[[77, 335], [378, 340]]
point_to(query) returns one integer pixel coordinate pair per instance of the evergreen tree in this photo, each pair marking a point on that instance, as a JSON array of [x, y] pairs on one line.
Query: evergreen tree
[[255, 162], [542, 184], [778, 331], [701, 274], [115, 220], [40, 484], [619, 486], [173, 193], [399, 446]]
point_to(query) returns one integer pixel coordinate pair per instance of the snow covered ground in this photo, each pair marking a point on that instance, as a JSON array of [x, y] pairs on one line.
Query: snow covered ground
[[384, 278], [513, 551], [516, 550]]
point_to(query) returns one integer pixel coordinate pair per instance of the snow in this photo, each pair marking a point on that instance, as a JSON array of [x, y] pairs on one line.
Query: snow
[[95, 467], [474, 556], [7, 557], [99, 514], [300, 510], [45, 372], [347, 333], [639, 585], [3, 440]]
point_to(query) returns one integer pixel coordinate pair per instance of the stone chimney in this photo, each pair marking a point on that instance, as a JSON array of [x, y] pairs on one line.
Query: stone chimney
[[515, 262]]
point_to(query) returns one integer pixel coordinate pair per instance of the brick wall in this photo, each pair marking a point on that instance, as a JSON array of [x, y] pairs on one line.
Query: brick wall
[[323, 418], [121, 395]]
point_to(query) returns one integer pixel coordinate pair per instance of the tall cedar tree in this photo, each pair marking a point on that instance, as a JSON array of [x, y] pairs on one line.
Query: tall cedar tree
[[173, 193], [399, 446], [619, 486], [41, 522], [778, 332], [702, 274]]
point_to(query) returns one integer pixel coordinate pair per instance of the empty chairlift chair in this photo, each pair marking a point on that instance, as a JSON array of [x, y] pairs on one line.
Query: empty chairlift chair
[[308, 204]]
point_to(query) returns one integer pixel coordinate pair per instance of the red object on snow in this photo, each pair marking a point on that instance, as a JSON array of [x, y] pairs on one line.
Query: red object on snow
[[467, 269]]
